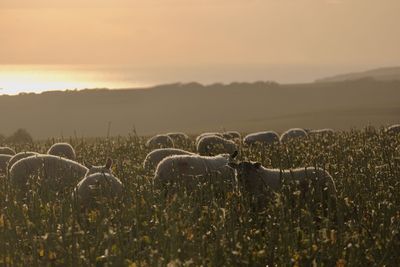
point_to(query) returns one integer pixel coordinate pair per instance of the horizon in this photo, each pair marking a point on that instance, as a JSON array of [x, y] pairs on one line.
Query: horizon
[[180, 41], [21, 78]]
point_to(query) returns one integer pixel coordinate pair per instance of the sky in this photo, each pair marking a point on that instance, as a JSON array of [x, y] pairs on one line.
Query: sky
[[179, 34]]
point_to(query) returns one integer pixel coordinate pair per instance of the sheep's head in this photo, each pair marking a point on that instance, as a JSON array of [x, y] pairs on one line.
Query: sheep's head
[[102, 169], [245, 171]]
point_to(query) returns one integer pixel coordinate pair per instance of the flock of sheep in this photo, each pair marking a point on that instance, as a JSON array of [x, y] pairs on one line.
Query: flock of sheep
[[215, 159], [59, 170]]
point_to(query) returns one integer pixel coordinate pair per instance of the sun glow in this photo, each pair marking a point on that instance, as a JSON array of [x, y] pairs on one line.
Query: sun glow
[[16, 79]]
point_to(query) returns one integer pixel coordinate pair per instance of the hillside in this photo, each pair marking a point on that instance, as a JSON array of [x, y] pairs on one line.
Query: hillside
[[194, 108], [381, 74]]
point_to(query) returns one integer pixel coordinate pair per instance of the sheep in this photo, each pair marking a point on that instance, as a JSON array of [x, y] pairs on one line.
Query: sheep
[[189, 168], [4, 159], [179, 138], [160, 141], [211, 145], [19, 156], [231, 135], [267, 137], [7, 151], [199, 137], [255, 178], [106, 168], [292, 134], [393, 129], [59, 172], [62, 150], [154, 157], [99, 184]]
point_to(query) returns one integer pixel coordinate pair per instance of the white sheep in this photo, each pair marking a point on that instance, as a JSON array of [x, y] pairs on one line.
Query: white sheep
[[211, 145], [199, 137], [255, 178], [267, 137], [393, 129], [4, 159], [98, 186], [7, 151], [58, 172], [62, 150], [190, 168], [179, 138], [232, 135], [293, 133], [154, 157], [19, 156], [160, 141]]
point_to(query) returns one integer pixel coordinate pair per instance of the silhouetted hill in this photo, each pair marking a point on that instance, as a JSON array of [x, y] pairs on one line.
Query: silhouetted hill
[[194, 108], [382, 74]]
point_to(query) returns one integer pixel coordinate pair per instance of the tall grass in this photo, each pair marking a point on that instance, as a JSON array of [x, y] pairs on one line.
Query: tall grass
[[216, 224]]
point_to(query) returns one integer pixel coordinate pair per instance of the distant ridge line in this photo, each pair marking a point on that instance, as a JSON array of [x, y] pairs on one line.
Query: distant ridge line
[[380, 74]]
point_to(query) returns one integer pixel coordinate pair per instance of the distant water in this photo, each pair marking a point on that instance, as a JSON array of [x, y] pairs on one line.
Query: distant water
[[15, 79]]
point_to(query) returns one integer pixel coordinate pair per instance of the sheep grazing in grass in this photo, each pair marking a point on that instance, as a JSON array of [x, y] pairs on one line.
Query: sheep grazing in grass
[[293, 133], [64, 150], [267, 137], [18, 156], [99, 186], [4, 159], [154, 157], [160, 141], [393, 129], [231, 135], [179, 138], [211, 145], [199, 137], [255, 178], [7, 151], [59, 173], [191, 168]]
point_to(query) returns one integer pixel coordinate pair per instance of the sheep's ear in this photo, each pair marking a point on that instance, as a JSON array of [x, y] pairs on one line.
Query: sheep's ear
[[257, 164], [109, 163], [234, 154], [233, 165]]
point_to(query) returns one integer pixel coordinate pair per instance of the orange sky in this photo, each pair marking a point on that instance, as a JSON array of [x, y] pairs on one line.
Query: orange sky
[[200, 32]]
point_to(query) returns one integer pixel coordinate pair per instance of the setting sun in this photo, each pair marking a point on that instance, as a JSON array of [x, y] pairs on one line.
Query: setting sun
[[185, 133]]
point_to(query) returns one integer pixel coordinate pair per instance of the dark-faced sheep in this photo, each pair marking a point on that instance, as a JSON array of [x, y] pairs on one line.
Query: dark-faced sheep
[[64, 150], [160, 141], [267, 137], [191, 168], [393, 129], [258, 180], [99, 186], [154, 157], [57, 172], [212, 145], [293, 133]]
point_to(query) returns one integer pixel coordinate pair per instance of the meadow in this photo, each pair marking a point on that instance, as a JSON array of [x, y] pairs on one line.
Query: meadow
[[215, 224]]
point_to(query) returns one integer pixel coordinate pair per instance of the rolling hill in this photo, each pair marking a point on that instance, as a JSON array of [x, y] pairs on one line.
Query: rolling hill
[[381, 74], [194, 108]]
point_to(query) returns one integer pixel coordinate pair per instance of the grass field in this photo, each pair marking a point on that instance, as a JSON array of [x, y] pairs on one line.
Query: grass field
[[216, 224]]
